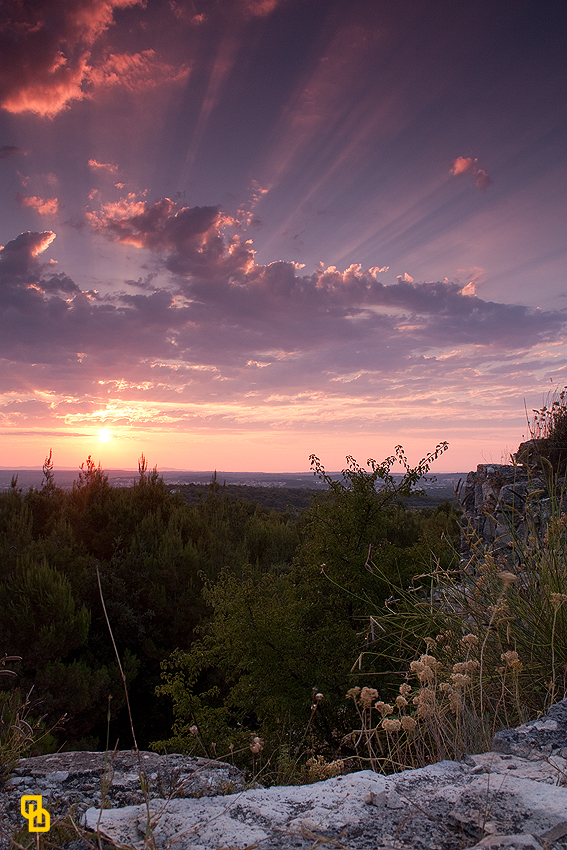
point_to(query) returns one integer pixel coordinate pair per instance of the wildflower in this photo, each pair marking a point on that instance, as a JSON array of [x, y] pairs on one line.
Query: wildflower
[[391, 725], [408, 724], [384, 708], [423, 671], [507, 578], [512, 659], [352, 693], [459, 680], [405, 689], [401, 702], [257, 745], [193, 730], [318, 697], [557, 600], [430, 661], [470, 640], [425, 702], [367, 696]]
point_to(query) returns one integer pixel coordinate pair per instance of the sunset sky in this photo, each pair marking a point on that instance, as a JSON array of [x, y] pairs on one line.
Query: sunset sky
[[237, 232]]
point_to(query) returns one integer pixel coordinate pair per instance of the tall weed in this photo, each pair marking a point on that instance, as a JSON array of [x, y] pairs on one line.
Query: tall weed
[[494, 633]]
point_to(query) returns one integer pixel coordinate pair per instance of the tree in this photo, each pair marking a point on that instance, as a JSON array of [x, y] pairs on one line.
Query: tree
[[273, 637]]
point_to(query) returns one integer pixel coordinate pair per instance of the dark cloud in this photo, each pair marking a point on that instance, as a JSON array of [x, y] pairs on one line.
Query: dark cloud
[[19, 257], [255, 328], [190, 239], [9, 150]]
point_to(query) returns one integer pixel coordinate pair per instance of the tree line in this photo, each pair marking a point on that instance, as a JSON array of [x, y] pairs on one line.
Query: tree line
[[226, 613]]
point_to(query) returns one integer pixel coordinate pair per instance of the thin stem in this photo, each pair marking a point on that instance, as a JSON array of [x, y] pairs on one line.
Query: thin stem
[[119, 664]]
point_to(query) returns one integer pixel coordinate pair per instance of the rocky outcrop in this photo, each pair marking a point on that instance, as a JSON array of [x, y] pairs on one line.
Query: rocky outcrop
[[501, 500], [81, 780], [512, 797]]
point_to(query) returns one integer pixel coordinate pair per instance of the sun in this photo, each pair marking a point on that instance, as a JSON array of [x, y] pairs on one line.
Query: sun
[[104, 435]]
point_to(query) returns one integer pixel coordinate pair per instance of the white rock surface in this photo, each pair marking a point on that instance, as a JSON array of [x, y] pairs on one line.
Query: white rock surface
[[512, 798], [448, 806]]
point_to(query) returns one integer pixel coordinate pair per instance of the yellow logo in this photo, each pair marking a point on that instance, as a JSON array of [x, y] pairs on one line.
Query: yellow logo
[[32, 810]]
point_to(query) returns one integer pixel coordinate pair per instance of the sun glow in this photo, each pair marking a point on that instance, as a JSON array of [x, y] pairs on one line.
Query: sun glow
[[104, 435]]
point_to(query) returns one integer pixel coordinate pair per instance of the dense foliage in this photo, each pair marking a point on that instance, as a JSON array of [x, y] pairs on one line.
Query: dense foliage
[[278, 637], [244, 610]]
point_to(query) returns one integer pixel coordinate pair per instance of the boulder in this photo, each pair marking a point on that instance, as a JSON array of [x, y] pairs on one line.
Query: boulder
[[79, 780]]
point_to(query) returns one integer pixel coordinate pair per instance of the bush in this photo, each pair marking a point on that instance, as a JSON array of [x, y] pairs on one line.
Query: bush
[[494, 633], [276, 638]]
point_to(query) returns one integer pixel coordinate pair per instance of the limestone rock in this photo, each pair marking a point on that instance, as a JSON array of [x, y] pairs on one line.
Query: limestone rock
[[80, 780], [494, 501], [445, 806], [537, 738], [511, 798]]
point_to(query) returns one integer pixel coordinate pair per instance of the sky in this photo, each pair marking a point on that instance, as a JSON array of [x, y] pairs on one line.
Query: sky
[[239, 232]]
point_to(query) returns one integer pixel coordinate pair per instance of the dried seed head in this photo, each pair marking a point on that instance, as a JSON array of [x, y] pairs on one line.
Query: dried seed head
[[459, 680], [384, 708], [257, 745], [391, 725], [405, 689], [408, 723], [352, 693], [430, 661], [401, 702], [367, 697], [507, 578], [512, 659], [557, 600], [193, 730], [470, 640], [455, 701]]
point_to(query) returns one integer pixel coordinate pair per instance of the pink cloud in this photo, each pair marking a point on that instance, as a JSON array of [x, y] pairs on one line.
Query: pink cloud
[[135, 71], [249, 347], [48, 206], [95, 165], [462, 164], [46, 55], [260, 8], [467, 165], [190, 239]]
